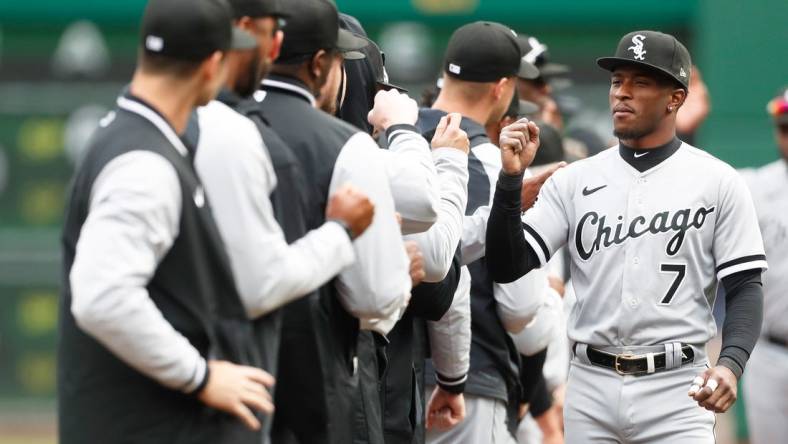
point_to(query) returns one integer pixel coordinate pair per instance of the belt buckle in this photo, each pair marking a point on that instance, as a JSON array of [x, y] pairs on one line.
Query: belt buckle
[[617, 364]]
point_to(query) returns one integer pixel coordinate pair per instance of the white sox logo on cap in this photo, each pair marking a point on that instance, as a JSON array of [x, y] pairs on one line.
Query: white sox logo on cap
[[637, 49]]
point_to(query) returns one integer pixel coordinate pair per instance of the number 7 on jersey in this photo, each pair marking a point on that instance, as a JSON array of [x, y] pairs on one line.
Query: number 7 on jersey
[[680, 270]]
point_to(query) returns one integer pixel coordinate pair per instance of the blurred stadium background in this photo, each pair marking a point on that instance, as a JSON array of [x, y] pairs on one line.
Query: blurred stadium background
[[63, 62]]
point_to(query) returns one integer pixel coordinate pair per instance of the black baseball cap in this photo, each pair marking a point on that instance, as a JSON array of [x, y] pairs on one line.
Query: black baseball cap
[[519, 108], [313, 25], [537, 54], [486, 52], [654, 50], [376, 60], [258, 8], [191, 29]]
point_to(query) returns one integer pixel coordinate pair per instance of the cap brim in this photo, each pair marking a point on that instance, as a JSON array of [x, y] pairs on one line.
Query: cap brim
[[527, 107], [242, 39], [347, 41], [388, 86], [611, 63], [527, 70], [553, 69], [560, 83]]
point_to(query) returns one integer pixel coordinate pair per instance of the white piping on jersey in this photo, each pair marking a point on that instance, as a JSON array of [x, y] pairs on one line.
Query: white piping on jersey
[[290, 87], [156, 120]]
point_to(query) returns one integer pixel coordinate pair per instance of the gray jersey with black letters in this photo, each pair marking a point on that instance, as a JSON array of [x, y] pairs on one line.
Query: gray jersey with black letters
[[647, 248]]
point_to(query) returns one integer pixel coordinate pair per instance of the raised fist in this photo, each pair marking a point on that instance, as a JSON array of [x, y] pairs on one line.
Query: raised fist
[[352, 207], [449, 135], [392, 108]]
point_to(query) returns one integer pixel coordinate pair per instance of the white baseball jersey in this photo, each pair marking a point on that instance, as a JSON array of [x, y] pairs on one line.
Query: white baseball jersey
[[768, 186], [647, 248]]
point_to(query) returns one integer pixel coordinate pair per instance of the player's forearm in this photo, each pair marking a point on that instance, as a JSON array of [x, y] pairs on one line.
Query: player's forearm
[[431, 300], [508, 254], [272, 274], [125, 320], [450, 339], [413, 178], [439, 243], [743, 318]]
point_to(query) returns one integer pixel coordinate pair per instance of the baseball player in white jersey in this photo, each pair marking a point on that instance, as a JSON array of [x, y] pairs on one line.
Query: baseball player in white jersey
[[652, 225], [767, 379]]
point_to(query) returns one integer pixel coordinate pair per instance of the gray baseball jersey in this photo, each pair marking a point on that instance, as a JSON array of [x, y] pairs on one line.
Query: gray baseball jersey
[[647, 248], [768, 186]]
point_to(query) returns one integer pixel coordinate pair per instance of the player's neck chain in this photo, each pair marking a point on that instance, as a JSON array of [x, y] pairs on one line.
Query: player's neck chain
[[681, 221]]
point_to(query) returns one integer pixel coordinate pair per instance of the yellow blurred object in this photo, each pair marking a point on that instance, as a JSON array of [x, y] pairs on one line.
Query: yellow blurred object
[[37, 313], [446, 6], [42, 203], [36, 372], [41, 140]]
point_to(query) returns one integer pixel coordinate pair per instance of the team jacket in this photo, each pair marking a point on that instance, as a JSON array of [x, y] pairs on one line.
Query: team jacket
[[148, 293], [321, 337]]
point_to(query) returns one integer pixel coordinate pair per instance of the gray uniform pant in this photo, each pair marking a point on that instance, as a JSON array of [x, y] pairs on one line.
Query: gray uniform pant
[[602, 406], [766, 393], [485, 422]]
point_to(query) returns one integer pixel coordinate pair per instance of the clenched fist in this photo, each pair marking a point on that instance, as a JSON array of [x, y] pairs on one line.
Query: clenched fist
[[351, 206], [417, 272], [444, 410], [519, 142], [392, 108], [449, 135]]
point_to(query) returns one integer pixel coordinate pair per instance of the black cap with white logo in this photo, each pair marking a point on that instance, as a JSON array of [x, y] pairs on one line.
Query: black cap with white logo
[[191, 29], [313, 25], [537, 53], [654, 50], [376, 60], [486, 52]]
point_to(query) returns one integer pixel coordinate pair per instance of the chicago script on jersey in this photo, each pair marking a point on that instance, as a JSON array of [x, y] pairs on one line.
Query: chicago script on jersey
[[681, 221]]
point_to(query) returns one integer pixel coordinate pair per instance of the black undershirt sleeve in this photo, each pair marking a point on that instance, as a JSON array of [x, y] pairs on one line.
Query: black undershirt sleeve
[[743, 318], [508, 255], [530, 372], [431, 301]]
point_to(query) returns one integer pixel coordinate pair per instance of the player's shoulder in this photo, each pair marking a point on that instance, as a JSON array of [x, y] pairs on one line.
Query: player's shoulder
[[582, 167], [697, 158], [218, 115], [221, 126]]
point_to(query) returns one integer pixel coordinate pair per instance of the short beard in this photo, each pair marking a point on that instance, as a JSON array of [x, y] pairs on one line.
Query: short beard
[[635, 133], [249, 84]]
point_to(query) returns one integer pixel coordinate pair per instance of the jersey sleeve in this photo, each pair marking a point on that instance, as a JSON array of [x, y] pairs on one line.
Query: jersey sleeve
[[738, 245], [546, 224]]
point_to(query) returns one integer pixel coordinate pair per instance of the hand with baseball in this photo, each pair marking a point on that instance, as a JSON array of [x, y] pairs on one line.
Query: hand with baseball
[[518, 142], [714, 389]]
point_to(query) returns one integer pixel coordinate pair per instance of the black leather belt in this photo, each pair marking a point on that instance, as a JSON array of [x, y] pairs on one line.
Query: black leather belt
[[627, 364], [776, 340]]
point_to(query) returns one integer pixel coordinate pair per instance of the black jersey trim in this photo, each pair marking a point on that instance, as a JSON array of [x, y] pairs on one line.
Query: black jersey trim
[[741, 260], [539, 240]]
